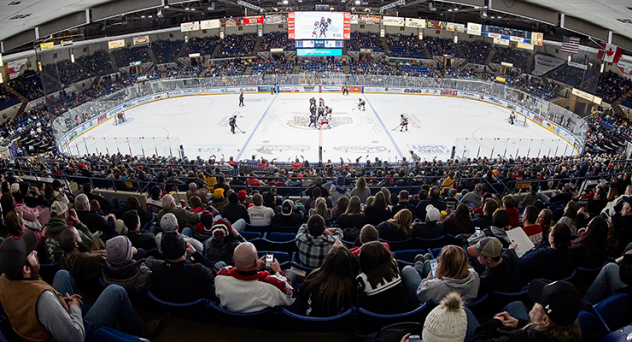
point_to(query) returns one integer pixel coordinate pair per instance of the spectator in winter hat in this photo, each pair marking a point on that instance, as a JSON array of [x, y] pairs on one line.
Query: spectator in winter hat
[[185, 218], [120, 267], [235, 212], [169, 223], [138, 238], [446, 322], [288, 217], [220, 247], [219, 201], [178, 280], [432, 228]]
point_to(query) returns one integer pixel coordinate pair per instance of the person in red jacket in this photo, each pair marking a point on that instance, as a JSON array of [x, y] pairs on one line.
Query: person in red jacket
[[509, 204]]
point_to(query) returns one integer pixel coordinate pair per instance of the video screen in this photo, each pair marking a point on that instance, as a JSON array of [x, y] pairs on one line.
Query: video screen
[[319, 25], [318, 52]]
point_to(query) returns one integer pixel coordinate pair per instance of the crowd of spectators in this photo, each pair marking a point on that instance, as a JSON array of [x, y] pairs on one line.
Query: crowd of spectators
[[369, 66], [237, 45], [517, 57], [68, 72], [125, 56], [536, 87], [476, 51], [99, 62], [405, 46], [204, 46], [234, 67], [276, 40], [365, 40], [166, 50], [278, 65], [325, 64], [440, 46], [28, 84], [183, 72], [611, 86], [7, 98]]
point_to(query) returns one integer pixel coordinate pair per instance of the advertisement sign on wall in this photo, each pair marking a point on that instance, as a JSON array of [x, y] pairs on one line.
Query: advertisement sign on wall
[[187, 27], [274, 19], [474, 29], [231, 22], [114, 44], [256, 20], [370, 19], [454, 27], [418, 23], [393, 21], [210, 24], [436, 25]]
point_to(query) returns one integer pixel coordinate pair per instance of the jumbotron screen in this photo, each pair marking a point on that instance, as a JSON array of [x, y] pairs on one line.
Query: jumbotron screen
[[319, 25]]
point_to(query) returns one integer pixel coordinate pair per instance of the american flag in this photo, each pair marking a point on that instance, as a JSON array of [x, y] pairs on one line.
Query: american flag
[[570, 45]]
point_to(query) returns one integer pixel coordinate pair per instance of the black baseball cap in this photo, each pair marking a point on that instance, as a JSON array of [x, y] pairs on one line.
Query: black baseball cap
[[13, 254], [560, 300]]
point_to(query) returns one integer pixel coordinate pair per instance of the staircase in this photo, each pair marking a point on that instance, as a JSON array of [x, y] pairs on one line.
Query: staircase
[[248, 71], [152, 55], [459, 50], [426, 51], [529, 64], [346, 69], [297, 69], [385, 46], [113, 60], [23, 107], [490, 56], [545, 80], [14, 92], [257, 45], [216, 51], [185, 47]]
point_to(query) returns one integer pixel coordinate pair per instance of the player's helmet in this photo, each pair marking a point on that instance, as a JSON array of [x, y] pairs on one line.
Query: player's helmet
[[402, 115], [326, 106], [360, 99]]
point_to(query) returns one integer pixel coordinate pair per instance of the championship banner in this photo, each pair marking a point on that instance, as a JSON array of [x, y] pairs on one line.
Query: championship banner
[[354, 19], [370, 19], [231, 22], [209, 24], [625, 67], [474, 29], [417, 23], [393, 21], [14, 67], [436, 25], [256, 20], [274, 19], [537, 38]]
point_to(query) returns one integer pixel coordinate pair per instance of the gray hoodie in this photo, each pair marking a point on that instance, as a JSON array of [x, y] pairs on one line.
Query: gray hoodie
[[433, 288]]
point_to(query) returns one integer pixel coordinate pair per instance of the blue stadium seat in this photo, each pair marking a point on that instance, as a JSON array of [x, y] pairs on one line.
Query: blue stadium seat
[[6, 331], [407, 257], [261, 229], [251, 236], [276, 241], [282, 229], [296, 322], [297, 263], [105, 334], [369, 322], [590, 325], [587, 275], [400, 245], [264, 319], [192, 310], [611, 311], [282, 257], [429, 243]]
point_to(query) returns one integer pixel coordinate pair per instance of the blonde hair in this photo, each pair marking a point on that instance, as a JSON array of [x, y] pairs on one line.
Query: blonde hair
[[403, 219], [354, 206], [361, 184], [452, 263], [321, 207]]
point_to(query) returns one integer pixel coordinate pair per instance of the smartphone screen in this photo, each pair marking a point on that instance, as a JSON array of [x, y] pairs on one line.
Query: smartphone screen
[[269, 258], [478, 231], [433, 267], [414, 338]]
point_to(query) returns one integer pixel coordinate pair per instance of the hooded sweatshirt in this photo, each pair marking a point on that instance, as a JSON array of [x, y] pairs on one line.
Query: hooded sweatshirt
[[135, 275], [492, 231], [433, 288], [505, 277]]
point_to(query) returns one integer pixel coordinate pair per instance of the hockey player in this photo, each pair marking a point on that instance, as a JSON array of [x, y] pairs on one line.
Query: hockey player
[[312, 119], [321, 102], [241, 99], [324, 121], [328, 110], [361, 105], [512, 117], [404, 123], [321, 111], [233, 122], [312, 102], [345, 90]]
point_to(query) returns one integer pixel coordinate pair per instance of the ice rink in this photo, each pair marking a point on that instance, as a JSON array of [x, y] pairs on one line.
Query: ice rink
[[276, 127]]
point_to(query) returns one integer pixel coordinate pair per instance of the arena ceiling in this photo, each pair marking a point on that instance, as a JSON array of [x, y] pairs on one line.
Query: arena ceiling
[[24, 21]]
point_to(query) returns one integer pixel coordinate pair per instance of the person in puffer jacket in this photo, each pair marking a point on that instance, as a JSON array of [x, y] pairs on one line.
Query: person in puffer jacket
[[220, 247], [121, 269]]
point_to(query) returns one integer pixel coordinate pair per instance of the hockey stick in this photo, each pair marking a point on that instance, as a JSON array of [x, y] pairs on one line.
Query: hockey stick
[[239, 129], [396, 127]]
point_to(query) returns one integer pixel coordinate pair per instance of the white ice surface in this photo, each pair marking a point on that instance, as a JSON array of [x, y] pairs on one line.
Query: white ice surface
[[275, 126]]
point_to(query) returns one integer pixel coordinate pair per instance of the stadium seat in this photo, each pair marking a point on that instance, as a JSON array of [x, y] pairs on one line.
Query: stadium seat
[[282, 229], [282, 257], [191, 310], [407, 257], [261, 229], [429, 243], [590, 325], [399, 245], [276, 241], [611, 311], [295, 322], [6, 331], [499, 300], [369, 322], [264, 319], [105, 334], [251, 236], [296, 263], [586, 275], [47, 271]]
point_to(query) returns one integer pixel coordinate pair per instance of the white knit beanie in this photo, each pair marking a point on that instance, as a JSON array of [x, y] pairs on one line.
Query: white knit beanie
[[447, 322]]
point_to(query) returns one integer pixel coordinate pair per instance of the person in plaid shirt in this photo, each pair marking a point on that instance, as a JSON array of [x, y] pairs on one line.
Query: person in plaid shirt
[[314, 240]]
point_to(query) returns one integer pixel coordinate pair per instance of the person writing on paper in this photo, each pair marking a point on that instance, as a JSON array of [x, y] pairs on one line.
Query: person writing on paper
[[500, 269], [550, 261]]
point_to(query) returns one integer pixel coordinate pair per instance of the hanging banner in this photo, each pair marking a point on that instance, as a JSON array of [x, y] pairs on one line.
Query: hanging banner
[[370, 19], [454, 27], [209, 24], [274, 19], [187, 27], [231, 22], [525, 46], [14, 67], [354, 19], [579, 66], [393, 21], [256, 20], [418, 23], [625, 67], [436, 25], [474, 29], [114, 44], [66, 42], [501, 41], [140, 40], [47, 46], [537, 38]]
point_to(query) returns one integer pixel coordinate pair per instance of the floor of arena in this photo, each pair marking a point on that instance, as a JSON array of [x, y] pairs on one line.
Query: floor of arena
[[276, 127]]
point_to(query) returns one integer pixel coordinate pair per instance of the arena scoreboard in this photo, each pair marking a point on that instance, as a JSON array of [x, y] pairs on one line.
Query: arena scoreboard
[[320, 43]]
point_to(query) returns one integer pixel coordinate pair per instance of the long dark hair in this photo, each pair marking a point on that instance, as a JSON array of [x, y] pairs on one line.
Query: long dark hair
[[594, 239], [461, 218], [376, 261], [561, 237], [7, 203], [334, 281]]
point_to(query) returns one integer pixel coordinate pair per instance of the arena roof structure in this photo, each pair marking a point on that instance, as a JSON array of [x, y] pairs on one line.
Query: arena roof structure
[[23, 22]]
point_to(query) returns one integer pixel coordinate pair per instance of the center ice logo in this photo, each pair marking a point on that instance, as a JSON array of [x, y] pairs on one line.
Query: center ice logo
[[303, 121]]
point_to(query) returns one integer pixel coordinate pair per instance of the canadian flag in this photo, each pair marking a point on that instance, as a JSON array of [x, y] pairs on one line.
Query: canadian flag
[[609, 53]]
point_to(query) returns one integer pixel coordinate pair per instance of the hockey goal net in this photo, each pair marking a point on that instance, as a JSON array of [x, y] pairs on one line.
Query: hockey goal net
[[521, 119]]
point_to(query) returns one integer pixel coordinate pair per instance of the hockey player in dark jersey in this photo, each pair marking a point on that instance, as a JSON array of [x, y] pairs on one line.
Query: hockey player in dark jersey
[[312, 102], [241, 99], [232, 122], [312, 120]]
